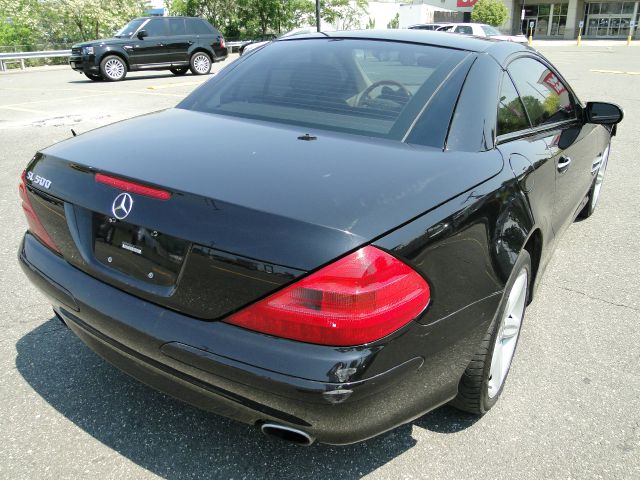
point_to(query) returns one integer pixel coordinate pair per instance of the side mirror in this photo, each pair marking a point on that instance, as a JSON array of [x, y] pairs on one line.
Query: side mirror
[[142, 34], [603, 113]]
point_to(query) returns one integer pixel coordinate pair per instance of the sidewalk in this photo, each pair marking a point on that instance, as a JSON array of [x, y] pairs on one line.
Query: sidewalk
[[585, 43]]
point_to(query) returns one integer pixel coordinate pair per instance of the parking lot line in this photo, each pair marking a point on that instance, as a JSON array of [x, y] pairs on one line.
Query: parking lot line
[[615, 72], [21, 109], [171, 85], [81, 97]]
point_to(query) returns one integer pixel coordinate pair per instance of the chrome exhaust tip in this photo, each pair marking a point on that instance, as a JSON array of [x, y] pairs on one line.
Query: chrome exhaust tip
[[287, 434]]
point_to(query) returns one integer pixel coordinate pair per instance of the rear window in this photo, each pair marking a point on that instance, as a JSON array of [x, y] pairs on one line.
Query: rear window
[[372, 88], [200, 27]]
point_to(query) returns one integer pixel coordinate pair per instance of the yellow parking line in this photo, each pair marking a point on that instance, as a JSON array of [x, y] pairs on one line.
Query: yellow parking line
[[140, 92], [615, 72], [81, 97], [171, 85], [20, 109]]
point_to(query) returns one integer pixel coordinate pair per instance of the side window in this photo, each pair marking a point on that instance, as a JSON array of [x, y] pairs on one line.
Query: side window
[[201, 27], [464, 29], [511, 114], [176, 26], [156, 27], [545, 97]]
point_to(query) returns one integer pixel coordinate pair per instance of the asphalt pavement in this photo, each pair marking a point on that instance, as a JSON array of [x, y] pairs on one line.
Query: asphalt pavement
[[570, 409]]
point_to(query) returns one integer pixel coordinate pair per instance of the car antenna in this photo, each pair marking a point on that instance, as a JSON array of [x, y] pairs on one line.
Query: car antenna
[[74, 132], [308, 137]]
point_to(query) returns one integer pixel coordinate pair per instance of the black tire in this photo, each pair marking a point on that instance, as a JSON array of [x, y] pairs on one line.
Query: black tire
[[473, 389], [179, 71], [94, 77], [200, 63], [113, 68], [594, 192]]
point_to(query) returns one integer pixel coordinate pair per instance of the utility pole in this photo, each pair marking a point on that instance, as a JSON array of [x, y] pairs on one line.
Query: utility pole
[[318, 15]]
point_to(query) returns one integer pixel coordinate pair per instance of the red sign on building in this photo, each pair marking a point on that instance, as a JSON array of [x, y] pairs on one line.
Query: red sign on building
[[466, 3]]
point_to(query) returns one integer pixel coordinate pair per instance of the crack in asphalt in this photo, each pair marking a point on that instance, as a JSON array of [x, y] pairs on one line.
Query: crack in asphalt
[[600, 299]]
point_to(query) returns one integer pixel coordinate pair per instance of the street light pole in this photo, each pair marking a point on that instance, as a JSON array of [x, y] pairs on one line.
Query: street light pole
[[318, 15]]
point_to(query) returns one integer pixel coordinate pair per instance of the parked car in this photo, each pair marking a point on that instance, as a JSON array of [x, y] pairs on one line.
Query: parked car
[[359, 247], [177, 44], [482, 30], [430, 26]]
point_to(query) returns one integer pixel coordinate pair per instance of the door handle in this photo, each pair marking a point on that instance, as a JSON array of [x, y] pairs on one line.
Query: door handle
[[563, 164], [191, 42], [161, 45]]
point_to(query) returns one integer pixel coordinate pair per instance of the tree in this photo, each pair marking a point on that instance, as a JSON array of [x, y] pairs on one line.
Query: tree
[[87, 19], [223, 14], [343, 14], [371, 24], [18, 22], [492, 12], [394, 22]]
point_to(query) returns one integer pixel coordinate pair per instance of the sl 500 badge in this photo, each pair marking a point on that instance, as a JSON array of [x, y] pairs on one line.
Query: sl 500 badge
[[38, 180]]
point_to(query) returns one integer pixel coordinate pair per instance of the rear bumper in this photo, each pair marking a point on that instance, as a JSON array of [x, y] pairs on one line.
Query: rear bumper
[[221, 368]]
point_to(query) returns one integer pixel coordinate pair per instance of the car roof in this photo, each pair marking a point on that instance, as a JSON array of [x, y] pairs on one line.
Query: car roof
[[498, 49]]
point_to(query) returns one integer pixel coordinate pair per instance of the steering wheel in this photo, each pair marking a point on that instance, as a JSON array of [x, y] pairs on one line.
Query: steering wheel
[[365, 95]]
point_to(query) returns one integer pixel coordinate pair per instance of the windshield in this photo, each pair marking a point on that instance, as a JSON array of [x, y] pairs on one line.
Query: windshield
[[367, 87], [490, 31], [130, 28]]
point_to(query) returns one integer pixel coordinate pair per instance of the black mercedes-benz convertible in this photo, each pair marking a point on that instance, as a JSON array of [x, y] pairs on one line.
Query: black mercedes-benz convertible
[[358, 247]]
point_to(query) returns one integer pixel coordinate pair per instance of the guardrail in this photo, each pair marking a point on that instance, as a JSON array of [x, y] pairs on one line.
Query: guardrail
[[21, 56]]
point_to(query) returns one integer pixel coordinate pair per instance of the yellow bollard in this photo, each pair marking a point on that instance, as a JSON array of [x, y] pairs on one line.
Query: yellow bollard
[[629, 41], [530, 36], [580, 37]]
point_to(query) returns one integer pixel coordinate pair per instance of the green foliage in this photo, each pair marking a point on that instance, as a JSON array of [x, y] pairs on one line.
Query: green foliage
[[491, 12], [371, 24], [26, 23], [342, 13], [394, 22], [32, 22]]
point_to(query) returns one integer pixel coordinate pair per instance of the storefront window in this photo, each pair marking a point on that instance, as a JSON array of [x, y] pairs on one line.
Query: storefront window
[[614, 8], [627, 7], [559, 19], [609, 19]]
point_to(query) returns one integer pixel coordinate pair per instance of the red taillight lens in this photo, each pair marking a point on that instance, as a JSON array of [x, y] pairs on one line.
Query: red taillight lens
[[222, 42], [35, 225], [133, 187], [358, 299]]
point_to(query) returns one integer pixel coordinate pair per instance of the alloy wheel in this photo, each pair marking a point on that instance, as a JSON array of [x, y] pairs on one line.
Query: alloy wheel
[[508, 332], [600, 176], [114, 68], [201, 63]]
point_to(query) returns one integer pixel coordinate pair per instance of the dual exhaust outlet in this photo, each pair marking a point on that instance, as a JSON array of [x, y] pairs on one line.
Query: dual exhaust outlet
[[287, 434]]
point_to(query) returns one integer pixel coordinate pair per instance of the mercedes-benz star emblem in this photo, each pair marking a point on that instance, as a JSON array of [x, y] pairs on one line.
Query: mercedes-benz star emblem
[[122, 206]]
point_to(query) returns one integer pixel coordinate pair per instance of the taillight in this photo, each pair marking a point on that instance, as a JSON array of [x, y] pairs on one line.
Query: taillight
[[132, 187], [222, 42], [35, 225], [358, 299]]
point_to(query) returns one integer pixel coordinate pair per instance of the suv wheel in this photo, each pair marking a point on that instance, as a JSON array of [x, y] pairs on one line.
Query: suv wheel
[[179, 71], [113, 68], [200, 63]]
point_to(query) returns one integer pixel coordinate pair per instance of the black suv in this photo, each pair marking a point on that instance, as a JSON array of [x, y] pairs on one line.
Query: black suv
[[157, 43]]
